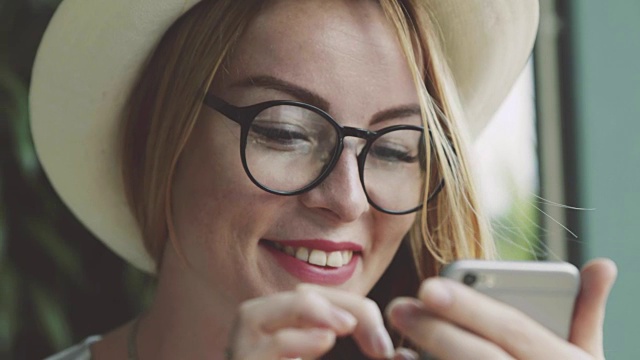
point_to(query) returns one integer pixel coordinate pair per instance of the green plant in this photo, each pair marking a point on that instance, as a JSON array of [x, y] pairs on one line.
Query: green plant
[[58, 284], [517, 232]]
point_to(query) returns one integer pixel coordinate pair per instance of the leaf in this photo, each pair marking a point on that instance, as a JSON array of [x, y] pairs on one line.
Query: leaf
[[17, 111], [9, 295], [3, 223], [516, 232], [8, 11], [51, 317], [65, 257]]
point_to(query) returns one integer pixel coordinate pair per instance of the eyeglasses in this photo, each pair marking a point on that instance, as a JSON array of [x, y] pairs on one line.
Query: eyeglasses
[[289, 147]]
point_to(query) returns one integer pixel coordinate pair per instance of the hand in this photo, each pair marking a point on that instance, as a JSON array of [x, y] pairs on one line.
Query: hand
[[452, 321], [304, 323]]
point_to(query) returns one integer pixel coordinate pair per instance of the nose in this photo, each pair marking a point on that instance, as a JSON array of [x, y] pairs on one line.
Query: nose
[[341, 193]]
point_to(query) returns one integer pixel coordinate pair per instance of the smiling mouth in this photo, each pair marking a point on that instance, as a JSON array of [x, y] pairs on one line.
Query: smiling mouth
[[333, 259]]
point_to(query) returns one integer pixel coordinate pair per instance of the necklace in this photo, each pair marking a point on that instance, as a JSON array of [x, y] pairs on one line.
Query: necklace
[[132, 347]]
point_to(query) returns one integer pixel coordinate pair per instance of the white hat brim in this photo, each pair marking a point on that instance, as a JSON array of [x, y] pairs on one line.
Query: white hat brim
[[93, 50]]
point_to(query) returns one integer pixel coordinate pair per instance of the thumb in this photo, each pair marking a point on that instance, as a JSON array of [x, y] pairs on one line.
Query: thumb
[[598, 277]]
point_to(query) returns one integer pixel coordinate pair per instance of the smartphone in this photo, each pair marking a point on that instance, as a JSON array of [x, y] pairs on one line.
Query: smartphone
[[546, 291]]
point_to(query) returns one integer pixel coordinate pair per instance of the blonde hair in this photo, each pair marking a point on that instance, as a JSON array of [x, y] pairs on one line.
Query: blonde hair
[[452, 227], [164, 105], [167, 99]]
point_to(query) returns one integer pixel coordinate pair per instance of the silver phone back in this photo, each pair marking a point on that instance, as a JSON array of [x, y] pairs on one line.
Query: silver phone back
[[545, 291]]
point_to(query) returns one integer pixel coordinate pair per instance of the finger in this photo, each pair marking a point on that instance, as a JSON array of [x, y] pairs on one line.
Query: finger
[[316, 306], [503, 325], [405, 354], [598, 277], [439, 337], [293, 344], [296, 309], [370, 333]]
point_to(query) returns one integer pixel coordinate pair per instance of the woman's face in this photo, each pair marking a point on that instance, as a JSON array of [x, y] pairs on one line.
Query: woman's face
[[345, 56]]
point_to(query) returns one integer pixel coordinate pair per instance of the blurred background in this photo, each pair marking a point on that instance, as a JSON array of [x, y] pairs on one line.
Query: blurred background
[[558, 170]]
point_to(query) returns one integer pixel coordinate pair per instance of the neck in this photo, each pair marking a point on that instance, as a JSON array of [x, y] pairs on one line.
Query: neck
[[188, 319]]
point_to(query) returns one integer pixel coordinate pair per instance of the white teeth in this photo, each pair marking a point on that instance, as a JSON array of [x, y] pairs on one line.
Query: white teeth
[[318, 257], [334, 259], [302, 253], [346, 256]]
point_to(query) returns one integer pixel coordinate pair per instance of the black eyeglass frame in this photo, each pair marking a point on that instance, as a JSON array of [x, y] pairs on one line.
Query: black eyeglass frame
[[244, 116]]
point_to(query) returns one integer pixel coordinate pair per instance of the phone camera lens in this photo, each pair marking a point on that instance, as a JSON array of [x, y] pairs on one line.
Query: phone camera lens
[[469, 279]]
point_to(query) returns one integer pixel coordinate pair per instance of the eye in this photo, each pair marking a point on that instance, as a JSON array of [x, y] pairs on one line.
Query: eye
[[279, 135], [397, 147], [393, 153]]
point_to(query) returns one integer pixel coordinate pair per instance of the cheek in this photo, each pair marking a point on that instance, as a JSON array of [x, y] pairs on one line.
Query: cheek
[[209, 183], [216, 207], [388, 234], [394, 228]]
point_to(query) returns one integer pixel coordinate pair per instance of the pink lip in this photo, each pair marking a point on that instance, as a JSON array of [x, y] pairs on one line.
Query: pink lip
[[312, 273]]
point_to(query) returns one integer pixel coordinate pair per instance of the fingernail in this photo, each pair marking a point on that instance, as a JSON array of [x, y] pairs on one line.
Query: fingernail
[[321, 334], [437, 293], [345, 318], [382, 344], [405, 354], [406, 310]]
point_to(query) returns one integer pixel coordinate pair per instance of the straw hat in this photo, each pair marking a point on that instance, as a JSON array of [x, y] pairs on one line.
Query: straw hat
[[92, 51]]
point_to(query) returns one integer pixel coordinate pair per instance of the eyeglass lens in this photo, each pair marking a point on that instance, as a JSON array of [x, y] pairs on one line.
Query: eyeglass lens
[[289, 147]]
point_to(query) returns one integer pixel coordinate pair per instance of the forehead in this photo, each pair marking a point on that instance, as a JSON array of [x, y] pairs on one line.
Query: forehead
[[338, 49]]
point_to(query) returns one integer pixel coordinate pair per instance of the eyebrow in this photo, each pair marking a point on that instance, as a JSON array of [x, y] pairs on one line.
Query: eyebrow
[[273, 83], [309, 97], [398, 112]]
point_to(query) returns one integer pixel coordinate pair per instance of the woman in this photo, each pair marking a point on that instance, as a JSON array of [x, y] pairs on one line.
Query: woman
[[337, 191]]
